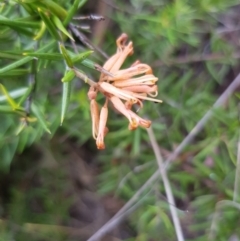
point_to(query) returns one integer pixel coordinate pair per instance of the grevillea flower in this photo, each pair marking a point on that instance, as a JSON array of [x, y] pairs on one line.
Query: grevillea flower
[[124, 88]]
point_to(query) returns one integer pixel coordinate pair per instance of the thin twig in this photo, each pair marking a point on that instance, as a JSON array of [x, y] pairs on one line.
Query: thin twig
[[84, 77], [96, 66], [167, 185], [236, 193], [196, 58], [125, 209], [73, 43], [118, 218], [86, 41], [199, 126], [135, 170], [227, 30], [95, 17]]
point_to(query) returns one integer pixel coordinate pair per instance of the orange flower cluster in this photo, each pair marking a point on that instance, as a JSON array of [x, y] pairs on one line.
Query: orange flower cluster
[[123, 89]]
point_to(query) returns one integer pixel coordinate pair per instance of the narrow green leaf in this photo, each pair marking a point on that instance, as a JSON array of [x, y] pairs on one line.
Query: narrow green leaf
[[10, 100], [69, 76], [15, 64], [60, 26], [8, 55], [17, 23], [28, 8], [25, 59], [9, 110], [213, 72], [49, 24], [20, 128], [82, 56], [88, 63], [52, 8], [77, 4], [38, 113], [43, 63], [14, 94], [66, 56], [15, 72], [65, 99], [55, 9], [25, 95], [48, 56], [6, 109], [20, 30], [32, 18], [165, 218], [5, 34], [2, 6], [82, 3], [41, 31], [57, 57]]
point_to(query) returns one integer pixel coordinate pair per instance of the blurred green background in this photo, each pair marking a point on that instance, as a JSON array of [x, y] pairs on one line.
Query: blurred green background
[[58, 186]]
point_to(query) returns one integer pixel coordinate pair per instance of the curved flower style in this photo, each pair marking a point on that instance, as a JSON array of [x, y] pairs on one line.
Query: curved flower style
[[123, 89]]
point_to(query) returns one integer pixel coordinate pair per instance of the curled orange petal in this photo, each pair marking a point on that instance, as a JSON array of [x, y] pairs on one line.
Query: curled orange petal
[[150, 90], [95, 117], [102, 130], [128, 50], [143, 80], [140, 121], [107, 88], [119, 106], [137, 69], [121, 41]]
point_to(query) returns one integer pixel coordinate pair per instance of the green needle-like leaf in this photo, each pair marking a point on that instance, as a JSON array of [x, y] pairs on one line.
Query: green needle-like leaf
[[49, 24], [17, 23], [54, 8], [60, 26], [47, 56], [27, 7], [88, 63], [69, 76], [25, 95], [82, 56], [15, 72], [56, 57], [6, 109], [15, 64], [20, 128], [9, 55], [75, 6], [38, 113], [65, 99], [14, 94], [25, 59], [41, 31], [10, 100], [66, 56]]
